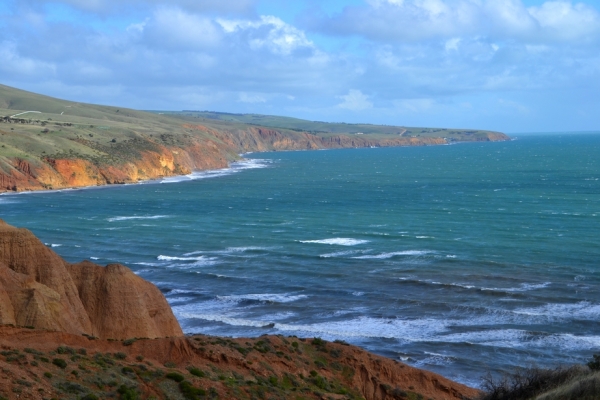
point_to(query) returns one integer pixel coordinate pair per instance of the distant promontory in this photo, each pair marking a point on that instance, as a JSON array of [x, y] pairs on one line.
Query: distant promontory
[[47, 143]]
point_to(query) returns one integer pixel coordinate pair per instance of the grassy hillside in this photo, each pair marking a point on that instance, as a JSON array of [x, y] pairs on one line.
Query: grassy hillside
[[329, 128]]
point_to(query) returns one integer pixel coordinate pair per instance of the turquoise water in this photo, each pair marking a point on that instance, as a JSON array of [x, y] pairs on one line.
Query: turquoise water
[[459, 259]]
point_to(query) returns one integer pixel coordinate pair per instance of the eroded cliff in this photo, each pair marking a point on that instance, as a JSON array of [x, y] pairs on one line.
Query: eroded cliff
[[39, 289]]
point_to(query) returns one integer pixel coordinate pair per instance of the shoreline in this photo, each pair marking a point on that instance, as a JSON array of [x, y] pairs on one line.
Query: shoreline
[[155, 181], [162, 179]]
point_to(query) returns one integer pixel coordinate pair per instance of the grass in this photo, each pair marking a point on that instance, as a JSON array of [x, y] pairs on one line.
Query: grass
[[562, 383]]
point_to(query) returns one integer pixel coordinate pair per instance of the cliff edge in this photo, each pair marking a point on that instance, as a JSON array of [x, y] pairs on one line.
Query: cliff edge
[[39, 289]]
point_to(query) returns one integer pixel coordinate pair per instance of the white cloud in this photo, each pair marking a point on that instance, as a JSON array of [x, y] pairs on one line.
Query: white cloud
[[251, 98], [566, 21], [269, 32], [414, 105], [417, 20], [15, 65], [355, 100], [176, 29], [104, 7]]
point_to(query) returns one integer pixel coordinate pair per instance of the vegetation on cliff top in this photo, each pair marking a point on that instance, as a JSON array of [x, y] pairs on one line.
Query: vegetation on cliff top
[[269, 367]]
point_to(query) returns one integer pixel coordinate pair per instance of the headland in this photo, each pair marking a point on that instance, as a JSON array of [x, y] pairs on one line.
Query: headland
[[49, 144]]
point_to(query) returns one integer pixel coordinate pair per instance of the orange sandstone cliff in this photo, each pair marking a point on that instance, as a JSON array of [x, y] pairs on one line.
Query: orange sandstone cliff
[[41, 290]]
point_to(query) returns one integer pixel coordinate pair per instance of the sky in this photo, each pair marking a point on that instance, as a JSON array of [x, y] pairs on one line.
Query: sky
[[505, 65]]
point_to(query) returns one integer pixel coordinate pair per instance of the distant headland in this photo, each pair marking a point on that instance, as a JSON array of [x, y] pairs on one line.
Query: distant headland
[[48, 144]]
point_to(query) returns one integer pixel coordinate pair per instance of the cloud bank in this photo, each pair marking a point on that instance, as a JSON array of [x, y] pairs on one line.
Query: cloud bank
[[497, 64]]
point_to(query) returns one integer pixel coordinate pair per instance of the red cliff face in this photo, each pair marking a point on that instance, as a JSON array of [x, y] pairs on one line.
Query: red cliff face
[[40, 289]]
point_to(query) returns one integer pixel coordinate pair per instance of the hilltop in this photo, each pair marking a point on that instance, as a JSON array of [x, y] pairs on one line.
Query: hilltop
[[48, 143]]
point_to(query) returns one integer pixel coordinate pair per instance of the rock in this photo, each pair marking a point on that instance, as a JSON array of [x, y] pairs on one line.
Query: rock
[[39, 289], [122, 305], [23, 253]]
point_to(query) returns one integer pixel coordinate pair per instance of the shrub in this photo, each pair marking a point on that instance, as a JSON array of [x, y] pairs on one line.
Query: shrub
[[196, 372], [190, 392], [526, 383], [59, 362], [65, 350], [127, 393], [127, 370], [129, 342], [175, 376], [594, 364], [48, 375]]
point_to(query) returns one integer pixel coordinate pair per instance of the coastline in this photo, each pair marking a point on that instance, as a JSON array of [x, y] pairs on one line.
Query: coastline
[[80, 170]]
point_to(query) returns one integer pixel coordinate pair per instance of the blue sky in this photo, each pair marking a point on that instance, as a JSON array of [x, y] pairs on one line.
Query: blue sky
[[507, 65]]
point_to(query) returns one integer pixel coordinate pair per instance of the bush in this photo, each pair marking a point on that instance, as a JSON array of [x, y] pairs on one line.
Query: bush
[[526, 383], [583, 388], [59, 362], [127, 393], [175, 376], [190, 392], [196, 372], [129, 342], [65, 350], [594, 364]]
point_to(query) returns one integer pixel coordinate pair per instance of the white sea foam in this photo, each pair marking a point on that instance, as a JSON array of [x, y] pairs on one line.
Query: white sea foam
[[582, 311], [337, 241], [339, 254], [225, 319], [266, 297], [169, 258], [244, 249], [147, 264], [394, 254], [190, 262], [181, 291], [53, 244], [435, 359], [417, 330], [234, 168], [172, 300], [524, 287], [516, 338], [230, 250], [114, 219], [94, 258]]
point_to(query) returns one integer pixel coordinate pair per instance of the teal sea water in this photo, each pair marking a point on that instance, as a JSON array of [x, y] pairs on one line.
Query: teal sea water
[[459, 259]]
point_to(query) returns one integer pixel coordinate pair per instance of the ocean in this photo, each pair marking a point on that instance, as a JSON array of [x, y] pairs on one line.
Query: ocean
[[465, 259]]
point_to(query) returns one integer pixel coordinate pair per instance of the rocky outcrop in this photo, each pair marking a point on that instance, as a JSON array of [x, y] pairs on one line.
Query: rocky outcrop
[[39, 289], [122, 305]]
